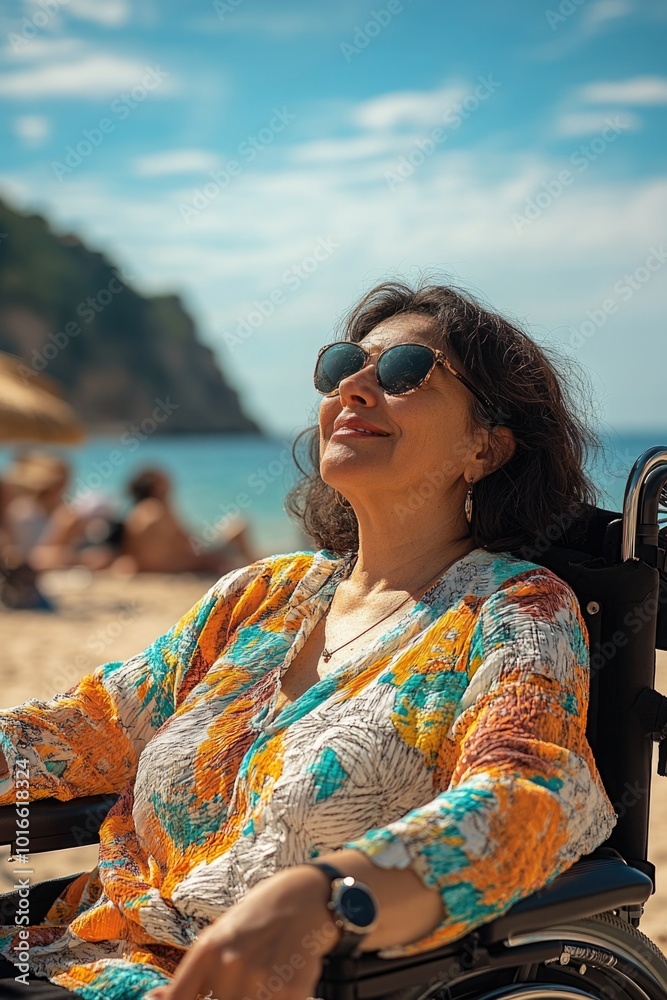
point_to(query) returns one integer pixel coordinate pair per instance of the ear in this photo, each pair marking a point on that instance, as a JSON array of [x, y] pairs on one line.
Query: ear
[[503, 446], [499, 445]]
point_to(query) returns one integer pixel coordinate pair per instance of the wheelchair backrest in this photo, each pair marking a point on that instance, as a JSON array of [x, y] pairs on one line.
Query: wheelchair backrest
[[623, 603]]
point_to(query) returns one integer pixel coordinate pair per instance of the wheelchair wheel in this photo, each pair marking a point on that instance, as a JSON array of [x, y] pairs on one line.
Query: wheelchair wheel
[[604, 958]]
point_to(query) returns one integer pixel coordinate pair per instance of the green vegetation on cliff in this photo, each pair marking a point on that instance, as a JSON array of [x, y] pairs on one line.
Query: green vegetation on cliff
[[68, 312]]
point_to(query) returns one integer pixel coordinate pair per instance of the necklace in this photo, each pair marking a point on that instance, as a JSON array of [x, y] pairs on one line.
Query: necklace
[[328, 653]]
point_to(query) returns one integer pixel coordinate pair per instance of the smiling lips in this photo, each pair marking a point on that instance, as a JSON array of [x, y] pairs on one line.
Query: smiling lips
[[356, 426]]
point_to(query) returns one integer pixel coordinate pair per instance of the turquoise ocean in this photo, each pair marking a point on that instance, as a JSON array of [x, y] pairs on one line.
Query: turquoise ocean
[[216, 477]]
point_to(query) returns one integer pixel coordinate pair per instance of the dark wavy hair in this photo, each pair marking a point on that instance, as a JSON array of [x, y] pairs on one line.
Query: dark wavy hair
[[535, 495]]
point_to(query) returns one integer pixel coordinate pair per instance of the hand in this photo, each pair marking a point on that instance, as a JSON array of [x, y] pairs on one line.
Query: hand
[[271, 943]]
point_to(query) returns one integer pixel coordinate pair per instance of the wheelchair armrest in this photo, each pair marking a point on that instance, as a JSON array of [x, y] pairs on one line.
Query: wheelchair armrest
[[54, 825], [592, 885]]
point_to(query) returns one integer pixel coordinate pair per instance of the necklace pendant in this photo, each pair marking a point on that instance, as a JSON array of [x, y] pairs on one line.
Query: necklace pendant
[[326, 655]]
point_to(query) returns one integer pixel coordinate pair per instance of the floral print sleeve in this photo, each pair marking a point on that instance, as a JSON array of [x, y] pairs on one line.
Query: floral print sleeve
[[88, 741], [525, 800]]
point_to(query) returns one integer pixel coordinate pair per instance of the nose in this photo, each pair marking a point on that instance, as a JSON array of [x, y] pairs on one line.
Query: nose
[[361, 387]]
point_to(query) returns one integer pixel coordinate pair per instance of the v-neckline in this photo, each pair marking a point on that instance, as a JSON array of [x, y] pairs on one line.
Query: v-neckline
[[271, 720]]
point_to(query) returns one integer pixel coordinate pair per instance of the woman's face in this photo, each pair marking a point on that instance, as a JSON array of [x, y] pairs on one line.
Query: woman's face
[[425, 439]]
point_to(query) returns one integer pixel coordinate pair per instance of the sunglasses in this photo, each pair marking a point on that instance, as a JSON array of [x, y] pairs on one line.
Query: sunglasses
[[399, 370]]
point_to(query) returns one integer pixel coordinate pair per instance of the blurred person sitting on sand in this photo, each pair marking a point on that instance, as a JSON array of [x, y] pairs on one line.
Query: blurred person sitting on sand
[[5, 536], [404, 708], [46, 531], [18, 580], [155, 541]]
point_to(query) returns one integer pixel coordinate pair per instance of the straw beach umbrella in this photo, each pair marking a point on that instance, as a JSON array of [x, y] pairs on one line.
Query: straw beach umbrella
[[31, 407]]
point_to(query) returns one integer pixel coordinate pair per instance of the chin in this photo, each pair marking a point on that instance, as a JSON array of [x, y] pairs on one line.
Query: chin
[[341, 466]]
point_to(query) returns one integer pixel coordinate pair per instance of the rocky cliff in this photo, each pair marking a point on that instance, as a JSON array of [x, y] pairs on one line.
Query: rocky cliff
[[68, 312]]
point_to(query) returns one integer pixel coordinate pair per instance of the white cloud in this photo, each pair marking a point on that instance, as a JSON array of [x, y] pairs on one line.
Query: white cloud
[[35, 49], [331, 19], [32, 130], [584, 23], [641, 90], [89, 77], [109, 13], [408, 107], [574, 123], [579, 118], [599, 13], [281, 24], [176, 161], [386, 125], [354, 148]]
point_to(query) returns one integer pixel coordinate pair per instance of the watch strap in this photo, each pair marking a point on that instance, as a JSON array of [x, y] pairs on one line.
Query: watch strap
[[328, 869]]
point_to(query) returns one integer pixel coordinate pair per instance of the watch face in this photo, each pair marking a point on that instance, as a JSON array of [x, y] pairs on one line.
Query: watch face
[[356, 906]]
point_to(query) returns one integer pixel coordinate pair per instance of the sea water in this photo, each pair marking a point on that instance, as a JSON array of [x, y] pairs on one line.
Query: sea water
[[216, 477]]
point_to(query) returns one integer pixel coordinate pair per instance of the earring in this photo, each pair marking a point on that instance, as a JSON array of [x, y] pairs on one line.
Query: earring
[[341, 501], [468, 504]]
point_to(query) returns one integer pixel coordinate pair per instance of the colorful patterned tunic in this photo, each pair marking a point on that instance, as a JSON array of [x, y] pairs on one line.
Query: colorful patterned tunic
[[453, 743]]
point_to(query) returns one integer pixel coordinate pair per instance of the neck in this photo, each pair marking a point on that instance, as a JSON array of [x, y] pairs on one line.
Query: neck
[[402, 550]]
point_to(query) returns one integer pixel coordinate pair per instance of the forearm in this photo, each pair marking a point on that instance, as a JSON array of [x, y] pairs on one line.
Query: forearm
[[408, 909]]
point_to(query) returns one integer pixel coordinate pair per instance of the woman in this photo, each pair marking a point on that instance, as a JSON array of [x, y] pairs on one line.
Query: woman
[[406, 705]]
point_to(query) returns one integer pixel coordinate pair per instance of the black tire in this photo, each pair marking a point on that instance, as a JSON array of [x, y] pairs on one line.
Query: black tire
[[604, 957]]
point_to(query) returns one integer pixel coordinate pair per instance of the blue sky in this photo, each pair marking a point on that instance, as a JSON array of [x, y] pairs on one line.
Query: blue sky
[[271, 161]]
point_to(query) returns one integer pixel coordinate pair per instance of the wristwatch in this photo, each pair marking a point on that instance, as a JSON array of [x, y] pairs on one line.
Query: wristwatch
[[354, 909]]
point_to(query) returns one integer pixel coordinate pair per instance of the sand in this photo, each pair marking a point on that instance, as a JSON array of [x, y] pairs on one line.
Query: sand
[[103, 618]]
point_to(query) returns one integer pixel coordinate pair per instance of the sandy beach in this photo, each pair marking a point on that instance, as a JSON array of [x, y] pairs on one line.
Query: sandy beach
[[103, 618]]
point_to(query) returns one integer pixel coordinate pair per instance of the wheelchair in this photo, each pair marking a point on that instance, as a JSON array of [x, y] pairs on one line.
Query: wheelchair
[[578, 937]]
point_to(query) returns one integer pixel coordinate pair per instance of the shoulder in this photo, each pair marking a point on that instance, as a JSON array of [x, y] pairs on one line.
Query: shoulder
[[280, 575], [517, 602], [529, 626], [265, 587], [505, 579], [529, 609]]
